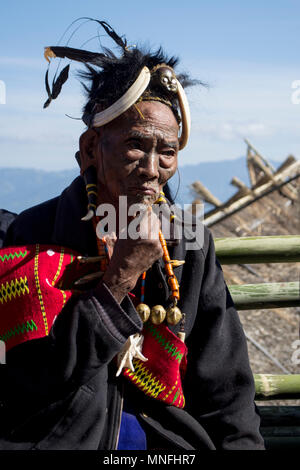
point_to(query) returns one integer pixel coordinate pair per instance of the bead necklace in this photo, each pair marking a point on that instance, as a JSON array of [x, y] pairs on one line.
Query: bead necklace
[[157, 314]]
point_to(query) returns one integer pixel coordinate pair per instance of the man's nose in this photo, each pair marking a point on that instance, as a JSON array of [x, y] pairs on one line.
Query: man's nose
[[149, 166]]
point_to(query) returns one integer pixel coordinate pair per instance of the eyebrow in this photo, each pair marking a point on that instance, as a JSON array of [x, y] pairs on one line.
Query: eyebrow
[[141, 135]]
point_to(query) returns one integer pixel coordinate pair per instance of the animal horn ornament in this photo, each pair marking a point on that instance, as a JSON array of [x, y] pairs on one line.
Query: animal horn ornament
[[90, 180], [168, 81]]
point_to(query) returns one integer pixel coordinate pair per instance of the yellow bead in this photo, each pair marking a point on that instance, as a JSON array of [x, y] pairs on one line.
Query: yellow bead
[[158, 314], [144, 312], [174, 315]]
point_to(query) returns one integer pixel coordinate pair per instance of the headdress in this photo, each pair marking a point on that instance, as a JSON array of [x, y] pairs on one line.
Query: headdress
[[117, 83]]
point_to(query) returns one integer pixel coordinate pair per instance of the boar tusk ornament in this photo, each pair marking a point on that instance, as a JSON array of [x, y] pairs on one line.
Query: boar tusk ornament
[[132, 349]]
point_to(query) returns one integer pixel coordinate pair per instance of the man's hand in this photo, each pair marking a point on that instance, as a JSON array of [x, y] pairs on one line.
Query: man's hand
[[130, 258]]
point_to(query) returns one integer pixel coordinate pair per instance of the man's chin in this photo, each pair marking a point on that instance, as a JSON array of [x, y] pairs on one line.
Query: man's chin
[[145, 199]]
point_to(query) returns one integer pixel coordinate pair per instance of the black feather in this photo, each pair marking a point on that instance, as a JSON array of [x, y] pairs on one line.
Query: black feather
[[107, 77], [117, 74], [122, 43], [46, 104], [62, 78], [77, 54], [47, 83]]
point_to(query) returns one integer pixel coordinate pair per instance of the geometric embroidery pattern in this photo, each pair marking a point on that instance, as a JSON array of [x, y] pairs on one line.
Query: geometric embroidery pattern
[[16, 254], [172, 389], [38, 287], [178, 393], [61, 258], [16, 287], [167, 345], [18, 330], [161, 375], [148, 383], [30, 297]]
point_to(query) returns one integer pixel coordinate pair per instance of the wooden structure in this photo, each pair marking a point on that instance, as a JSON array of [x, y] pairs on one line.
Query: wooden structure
[[264, 179], [257, 240]]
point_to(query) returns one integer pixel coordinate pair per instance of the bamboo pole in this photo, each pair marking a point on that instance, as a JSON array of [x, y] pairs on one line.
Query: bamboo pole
[[267, 295], [287, 190], [243, 188], [269, 386], [271, 174], [285, 164], [251, 169], [206, 194], [253, 250], [267, 171], [266, 162]]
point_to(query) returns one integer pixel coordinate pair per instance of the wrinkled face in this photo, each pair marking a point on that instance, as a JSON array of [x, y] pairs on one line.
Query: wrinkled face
[[137, 154]]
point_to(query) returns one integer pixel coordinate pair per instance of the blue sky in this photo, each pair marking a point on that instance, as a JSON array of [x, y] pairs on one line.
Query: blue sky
[[248, 53]]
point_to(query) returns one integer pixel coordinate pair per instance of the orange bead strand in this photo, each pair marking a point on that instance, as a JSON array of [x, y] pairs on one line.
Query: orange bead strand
[[172, 280]]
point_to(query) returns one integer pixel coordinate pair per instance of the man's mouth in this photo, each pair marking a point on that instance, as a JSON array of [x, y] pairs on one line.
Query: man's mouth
[[143, 190]]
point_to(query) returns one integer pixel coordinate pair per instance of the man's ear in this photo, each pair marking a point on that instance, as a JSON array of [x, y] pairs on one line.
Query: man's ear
[[88, 144]]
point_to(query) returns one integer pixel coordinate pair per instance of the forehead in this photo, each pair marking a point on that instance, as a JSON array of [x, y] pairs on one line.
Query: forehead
[[151, 118]]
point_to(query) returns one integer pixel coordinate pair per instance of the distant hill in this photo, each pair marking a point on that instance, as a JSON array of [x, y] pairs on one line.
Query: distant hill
[[23, 188], [216, 176]]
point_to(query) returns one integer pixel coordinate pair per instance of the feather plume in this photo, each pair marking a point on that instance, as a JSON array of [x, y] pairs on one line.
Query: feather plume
[[108, 76]]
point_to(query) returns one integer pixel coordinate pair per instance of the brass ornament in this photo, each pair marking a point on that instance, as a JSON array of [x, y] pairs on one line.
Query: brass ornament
[[166, 77], [173, 315], [157, 315], [144, 312]]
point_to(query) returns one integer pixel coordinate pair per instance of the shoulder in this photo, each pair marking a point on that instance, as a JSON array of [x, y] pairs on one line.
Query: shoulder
[[32, 225], [52, 221]]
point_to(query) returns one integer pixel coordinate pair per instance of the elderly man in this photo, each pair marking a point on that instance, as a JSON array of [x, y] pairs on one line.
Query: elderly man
[[151, 355]]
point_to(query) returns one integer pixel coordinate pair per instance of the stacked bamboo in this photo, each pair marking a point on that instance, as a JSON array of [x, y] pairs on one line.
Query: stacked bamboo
[[272, 249], [280, 425]]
